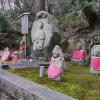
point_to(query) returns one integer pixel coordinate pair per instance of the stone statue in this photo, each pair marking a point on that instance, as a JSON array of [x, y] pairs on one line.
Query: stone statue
[[95, 60], [57, 64], [6, 54], [15, 56], [45, 34], [79, 52], [25, 42], [22, 50]]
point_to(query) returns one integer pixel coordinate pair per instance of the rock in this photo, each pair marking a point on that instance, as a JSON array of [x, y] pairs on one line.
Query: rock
[[45, 34]]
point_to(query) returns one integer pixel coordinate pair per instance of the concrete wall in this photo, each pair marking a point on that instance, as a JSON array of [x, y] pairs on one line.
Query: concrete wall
[[13, 87]]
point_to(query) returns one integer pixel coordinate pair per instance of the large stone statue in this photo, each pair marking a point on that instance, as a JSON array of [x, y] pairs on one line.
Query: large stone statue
[[45, 34], [95, 60]]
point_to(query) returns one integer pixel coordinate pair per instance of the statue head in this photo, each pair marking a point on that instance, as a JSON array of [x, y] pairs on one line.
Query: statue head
[[57, 52], [16, 52], [6, 49], [80, 45], [38, 40], [41, 14], [95, 51]]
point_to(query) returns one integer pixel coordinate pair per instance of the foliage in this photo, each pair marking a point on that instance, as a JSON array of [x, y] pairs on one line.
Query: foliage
[[76, 5], [75, 14], [4, 24], [8, 23], [73, 20], [75, 81]]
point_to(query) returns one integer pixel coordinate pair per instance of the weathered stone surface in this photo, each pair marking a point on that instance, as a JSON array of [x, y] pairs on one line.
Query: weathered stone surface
[[4, 96], [18, 88], [92, 71], [80, 45], [57, 63], [95, 51], [45, 34]]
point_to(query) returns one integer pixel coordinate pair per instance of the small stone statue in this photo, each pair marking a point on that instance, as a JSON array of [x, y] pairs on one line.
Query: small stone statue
[[95, 60], [79, 52], [56, 64], [22, 46], [22, 50], [6, 54], [15, 56]]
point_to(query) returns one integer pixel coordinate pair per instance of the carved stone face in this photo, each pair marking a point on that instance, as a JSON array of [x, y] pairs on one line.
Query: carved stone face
[[55, 55], [38, 40], [95, 51], [41, 14]]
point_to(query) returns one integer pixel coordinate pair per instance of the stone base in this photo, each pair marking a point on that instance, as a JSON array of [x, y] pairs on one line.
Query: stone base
[[92, 71], [79, 62]]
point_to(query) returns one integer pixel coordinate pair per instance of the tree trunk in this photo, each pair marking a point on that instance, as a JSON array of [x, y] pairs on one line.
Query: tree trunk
[[39, 5]]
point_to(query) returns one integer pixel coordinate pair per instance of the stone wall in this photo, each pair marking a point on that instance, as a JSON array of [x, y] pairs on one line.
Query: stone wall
[[13, 87]]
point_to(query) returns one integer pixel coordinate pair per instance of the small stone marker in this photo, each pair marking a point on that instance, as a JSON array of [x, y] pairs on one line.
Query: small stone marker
[[41, 71]]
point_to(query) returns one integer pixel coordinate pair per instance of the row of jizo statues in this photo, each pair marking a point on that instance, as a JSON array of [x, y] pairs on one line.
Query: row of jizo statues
[[58, 63], [46, 38], [46, 34]]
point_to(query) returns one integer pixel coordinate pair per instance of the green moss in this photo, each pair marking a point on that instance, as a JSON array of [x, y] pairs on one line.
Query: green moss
[[75, 81]]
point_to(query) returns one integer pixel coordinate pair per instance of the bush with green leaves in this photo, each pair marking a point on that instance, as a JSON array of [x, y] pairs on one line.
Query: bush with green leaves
[[8, 23]]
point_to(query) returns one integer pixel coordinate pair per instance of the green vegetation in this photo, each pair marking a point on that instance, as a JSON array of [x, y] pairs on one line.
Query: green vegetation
[[75, 81], [3, 21], [73, 20]]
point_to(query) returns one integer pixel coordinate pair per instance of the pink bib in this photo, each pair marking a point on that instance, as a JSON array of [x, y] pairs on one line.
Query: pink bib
[[22, 47], [79, 54], [53, 70], [15, 58], [5, 56], [95, 63]]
